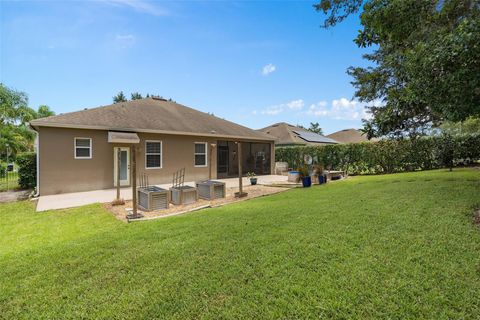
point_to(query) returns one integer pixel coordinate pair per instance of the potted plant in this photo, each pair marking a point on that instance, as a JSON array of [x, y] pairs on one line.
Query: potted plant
[[253, 180], [318, 170], [305, 176]]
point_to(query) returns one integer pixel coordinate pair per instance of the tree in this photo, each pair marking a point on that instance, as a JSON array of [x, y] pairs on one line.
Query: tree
[[44, 111], [314, 127], [136, 96], [120, 97], [13, 106], [426, 61], [470, 126], [15, 135]]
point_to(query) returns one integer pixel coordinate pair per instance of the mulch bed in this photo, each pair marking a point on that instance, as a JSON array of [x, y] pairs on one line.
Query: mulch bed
[[256, 191]]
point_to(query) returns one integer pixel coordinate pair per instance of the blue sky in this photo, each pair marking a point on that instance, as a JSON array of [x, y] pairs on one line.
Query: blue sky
[[252, 62]]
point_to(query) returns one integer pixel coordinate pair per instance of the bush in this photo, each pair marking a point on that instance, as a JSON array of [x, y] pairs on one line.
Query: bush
[[388, 156], [27, 170], [3, 169]]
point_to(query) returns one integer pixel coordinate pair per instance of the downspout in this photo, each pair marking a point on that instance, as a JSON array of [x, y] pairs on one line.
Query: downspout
[[37, 153]]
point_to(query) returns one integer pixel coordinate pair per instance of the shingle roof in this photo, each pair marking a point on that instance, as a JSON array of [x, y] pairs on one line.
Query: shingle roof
[[151, 115], [287, 134], [349, 136]]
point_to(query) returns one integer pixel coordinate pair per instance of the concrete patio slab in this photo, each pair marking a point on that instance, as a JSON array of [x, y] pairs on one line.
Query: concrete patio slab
[[77, 199]]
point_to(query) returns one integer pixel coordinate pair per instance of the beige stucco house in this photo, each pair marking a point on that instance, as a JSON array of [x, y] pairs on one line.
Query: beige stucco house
[[78, 151]]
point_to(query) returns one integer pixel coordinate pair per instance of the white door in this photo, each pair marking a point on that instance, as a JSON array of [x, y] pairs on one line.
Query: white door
[[124, 166]]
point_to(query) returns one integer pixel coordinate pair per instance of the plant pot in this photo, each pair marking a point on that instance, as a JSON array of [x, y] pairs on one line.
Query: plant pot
[[307, 182], [253, 181], [321, 179]]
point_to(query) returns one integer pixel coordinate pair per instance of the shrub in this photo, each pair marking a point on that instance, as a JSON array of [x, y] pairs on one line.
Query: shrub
[[27, 170], [3, 169], [387, 156]]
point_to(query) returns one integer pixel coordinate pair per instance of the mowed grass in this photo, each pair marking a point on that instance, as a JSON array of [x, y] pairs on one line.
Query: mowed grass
[[393, 246]]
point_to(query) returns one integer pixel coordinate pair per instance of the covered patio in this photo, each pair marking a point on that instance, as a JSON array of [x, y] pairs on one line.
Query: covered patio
[[77, 199]]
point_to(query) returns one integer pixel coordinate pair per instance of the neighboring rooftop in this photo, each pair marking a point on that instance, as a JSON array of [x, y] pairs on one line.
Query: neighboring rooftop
[[289, 135], [151, 115], [349, 136]]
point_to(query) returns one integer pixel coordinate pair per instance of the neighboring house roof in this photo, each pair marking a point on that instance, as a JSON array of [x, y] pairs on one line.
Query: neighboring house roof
[[287, 134], [349, 136], [151, 115]]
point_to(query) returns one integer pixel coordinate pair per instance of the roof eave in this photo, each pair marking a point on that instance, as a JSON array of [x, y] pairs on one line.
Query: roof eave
[[183, 133]]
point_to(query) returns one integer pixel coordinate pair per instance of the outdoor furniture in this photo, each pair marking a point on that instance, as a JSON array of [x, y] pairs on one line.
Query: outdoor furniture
[[210, 189], [153, 198], [334, 175], [181, 194], [293, 176]]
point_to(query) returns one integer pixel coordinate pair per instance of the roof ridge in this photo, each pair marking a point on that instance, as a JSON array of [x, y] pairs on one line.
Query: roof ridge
[[88, 109], [151, 114]]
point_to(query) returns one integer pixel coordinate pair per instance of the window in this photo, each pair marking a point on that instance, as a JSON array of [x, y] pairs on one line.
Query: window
[[153, 154], [83, 148], [200, 154]]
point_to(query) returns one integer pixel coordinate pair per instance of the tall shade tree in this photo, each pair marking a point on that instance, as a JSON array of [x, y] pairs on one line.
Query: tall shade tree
[[15, 114], [13, 106], [425, 57], [120, 97]]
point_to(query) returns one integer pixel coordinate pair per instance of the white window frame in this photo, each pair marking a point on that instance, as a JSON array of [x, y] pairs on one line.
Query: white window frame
[[161, 154], [195, 154], [75, 148]]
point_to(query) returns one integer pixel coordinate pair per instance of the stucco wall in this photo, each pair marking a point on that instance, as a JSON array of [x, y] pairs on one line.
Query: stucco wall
[[60, 172]]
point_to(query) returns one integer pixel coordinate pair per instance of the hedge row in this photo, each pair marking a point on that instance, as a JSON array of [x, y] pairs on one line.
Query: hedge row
[[388, 156], [27, 170]]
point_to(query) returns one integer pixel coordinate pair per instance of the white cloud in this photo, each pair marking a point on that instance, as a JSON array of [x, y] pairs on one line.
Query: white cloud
[[125, 40], [294, 105], [269, 68], [339, 109], [139, 5]]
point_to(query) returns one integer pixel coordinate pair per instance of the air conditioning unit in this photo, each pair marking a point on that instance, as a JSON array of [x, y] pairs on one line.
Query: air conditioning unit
[[153, 198]]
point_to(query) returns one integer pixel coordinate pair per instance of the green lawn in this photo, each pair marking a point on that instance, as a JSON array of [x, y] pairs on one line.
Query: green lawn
[[393, 246]]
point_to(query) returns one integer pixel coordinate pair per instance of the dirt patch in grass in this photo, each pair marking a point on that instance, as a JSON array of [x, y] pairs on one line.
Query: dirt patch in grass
[[476, 217], [120, 211], [14, 195]]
